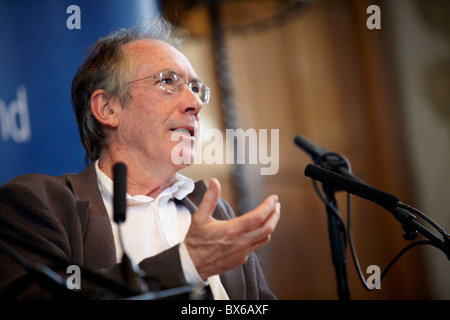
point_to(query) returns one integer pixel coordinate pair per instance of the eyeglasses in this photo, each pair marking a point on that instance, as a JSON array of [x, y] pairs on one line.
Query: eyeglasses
[[171, 82]]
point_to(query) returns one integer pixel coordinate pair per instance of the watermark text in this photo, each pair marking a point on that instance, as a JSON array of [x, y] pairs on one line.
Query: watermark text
[[237, 147]]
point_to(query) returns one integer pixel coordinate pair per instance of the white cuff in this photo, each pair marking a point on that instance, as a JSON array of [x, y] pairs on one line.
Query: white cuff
[[190, 272]]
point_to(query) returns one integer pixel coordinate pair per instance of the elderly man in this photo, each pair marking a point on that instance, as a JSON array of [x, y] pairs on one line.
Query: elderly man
[[135, 97]]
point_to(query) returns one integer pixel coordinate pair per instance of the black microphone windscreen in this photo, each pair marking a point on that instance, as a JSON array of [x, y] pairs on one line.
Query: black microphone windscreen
[[120, 192], [309, 147], [341, 182]]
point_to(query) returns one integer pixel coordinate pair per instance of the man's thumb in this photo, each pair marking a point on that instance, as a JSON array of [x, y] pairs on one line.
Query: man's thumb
[[209, 201]]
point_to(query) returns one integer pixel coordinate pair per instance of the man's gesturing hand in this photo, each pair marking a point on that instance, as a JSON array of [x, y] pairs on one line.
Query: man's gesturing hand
[[216, 246]]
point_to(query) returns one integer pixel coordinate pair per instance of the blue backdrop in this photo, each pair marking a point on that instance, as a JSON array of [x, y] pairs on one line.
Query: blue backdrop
[[42, 44]]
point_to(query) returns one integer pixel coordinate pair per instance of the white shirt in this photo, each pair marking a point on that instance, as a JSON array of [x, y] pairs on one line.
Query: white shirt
[[153, 225]]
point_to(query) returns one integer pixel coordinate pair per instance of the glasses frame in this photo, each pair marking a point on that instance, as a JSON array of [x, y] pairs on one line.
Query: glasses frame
[[203, 98]]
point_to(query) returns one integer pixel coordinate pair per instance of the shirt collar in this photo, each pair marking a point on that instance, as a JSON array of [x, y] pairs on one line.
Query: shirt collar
[[178, 190]]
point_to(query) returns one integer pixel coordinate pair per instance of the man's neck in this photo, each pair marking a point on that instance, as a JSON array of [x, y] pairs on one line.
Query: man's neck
[[139, 180]]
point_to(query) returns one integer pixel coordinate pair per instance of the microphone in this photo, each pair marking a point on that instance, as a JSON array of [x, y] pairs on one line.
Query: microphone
[[310, 148], [352, 186], [131, 272], [332, 161], [120, 192]]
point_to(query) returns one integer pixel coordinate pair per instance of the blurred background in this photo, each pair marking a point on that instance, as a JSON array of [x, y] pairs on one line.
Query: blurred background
[[380, 96]]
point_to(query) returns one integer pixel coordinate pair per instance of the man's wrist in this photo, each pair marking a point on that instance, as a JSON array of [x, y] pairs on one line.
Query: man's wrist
[[189, 270]]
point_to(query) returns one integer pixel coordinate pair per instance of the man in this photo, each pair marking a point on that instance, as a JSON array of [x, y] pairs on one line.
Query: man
[[135, 97]]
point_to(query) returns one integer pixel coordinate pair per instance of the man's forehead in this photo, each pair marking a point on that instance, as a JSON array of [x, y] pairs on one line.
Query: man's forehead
[[156, 54], [142, 45]]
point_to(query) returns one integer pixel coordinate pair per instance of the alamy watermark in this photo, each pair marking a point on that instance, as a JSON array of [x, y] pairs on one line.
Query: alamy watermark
[[237, 147], [74, 20], [374, 20], [73, 282], [374, 280]]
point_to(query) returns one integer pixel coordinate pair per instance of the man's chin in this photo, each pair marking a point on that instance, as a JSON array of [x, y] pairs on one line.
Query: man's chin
[[182, 159]]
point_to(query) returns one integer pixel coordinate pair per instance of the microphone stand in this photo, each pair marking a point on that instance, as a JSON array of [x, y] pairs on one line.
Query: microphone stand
[[336, 230], [337, 243]]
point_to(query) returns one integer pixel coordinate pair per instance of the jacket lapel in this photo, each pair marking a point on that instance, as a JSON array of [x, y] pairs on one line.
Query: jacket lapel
[[98, 239]]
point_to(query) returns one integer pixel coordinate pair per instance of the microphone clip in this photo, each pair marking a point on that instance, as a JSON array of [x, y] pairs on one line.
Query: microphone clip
[[337, 163]]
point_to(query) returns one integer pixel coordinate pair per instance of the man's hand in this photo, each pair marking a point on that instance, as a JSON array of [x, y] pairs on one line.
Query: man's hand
[[217, 246]]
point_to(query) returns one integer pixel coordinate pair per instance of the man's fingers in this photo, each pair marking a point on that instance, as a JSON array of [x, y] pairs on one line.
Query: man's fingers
[[262, 234], [209, 201], [256, 217], [260, 237]]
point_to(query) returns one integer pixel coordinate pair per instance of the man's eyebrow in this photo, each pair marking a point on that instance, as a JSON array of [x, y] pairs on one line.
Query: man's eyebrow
[[195, 78]]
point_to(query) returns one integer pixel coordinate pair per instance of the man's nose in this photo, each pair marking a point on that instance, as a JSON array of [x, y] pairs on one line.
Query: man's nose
[[190, 101]]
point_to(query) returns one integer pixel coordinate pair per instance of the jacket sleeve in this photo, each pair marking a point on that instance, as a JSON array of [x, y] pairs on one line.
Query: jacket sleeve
[[30, 235]]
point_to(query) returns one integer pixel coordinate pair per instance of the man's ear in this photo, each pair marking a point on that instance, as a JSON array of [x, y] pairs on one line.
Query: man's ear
[[104, 108]]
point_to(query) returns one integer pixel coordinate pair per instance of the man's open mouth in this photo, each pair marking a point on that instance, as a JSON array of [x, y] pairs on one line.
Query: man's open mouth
[[184, 131]]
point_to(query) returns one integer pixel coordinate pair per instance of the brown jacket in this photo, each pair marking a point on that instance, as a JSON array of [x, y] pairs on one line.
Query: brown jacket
[[65, 216]]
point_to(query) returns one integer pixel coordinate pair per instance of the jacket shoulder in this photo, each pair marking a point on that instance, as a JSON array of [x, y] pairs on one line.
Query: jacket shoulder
[[34, 183]]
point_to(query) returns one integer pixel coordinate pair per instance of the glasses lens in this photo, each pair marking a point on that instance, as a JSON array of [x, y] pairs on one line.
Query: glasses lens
[[170, 81], [200, 90], [206, 95]]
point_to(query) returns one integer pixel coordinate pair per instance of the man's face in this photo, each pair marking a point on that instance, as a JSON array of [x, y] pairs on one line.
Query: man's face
[[150, 124]]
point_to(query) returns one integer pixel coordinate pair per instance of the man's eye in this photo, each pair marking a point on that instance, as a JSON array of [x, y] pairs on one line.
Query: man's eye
[[195, 87], [167, 81]]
